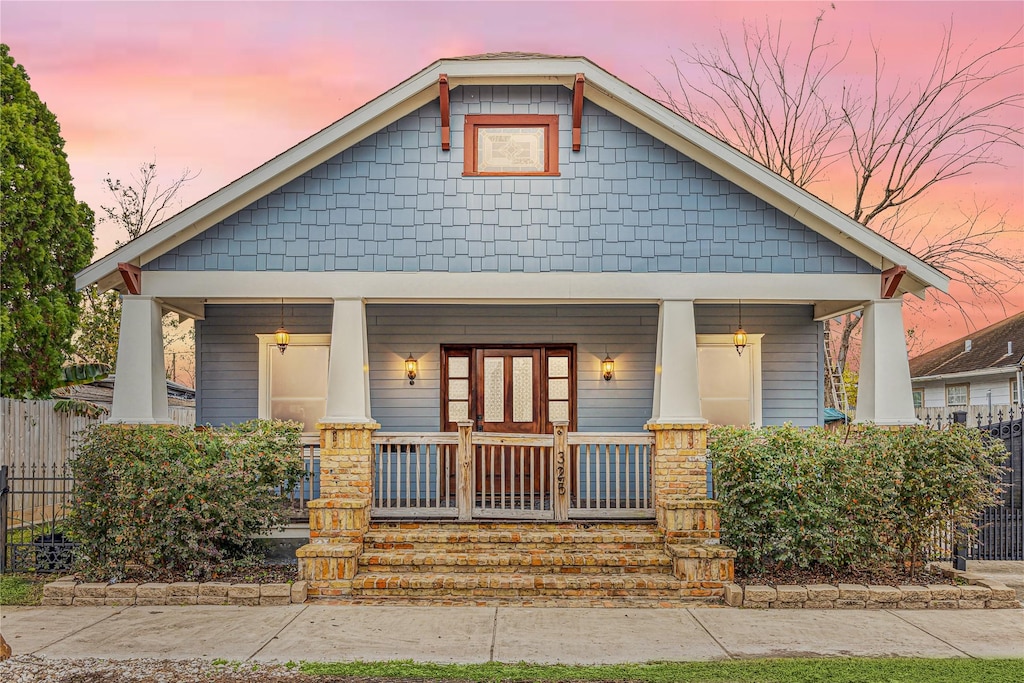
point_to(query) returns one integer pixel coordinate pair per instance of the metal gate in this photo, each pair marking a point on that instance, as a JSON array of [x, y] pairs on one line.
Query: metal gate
[[34, 500], [1000, 529]]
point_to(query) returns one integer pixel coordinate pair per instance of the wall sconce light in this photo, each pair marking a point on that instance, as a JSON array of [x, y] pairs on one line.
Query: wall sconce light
[[607, 368], [739, 337], [411, 369], [281, 336]]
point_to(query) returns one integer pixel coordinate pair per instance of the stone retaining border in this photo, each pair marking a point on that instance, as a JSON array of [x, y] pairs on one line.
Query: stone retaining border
[[67, 591], [977, 593]]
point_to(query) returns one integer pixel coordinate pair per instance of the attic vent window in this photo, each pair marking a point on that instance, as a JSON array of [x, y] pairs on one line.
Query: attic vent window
[[511, 144]]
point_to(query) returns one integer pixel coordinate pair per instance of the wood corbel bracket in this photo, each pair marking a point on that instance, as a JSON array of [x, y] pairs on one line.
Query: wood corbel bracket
[[577, 114], [446, 124], [891, 280], [132, 276]]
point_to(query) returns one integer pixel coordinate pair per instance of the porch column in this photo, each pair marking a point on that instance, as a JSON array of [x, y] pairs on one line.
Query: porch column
[[348, 376], [884, 395], [140, 392], [676, 389], [339, 518]]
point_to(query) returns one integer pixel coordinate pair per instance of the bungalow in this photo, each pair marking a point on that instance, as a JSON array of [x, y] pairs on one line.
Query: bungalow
[[493, 278]]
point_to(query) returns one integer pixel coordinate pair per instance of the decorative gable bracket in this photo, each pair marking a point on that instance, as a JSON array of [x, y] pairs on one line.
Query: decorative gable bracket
[[577, 114], [132, 276], [891, 280], [446, 122]]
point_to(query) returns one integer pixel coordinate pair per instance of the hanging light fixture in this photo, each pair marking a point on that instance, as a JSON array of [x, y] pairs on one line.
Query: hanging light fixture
[[411, 368], [739, 337], [281, 336], [607, 368]]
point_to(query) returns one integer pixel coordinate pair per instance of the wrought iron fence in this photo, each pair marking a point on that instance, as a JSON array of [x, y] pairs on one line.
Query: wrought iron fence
[[34, 500], [1000, 534]]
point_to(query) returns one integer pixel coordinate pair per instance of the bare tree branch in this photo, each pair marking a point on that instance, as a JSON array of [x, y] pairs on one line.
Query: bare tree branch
[[901, 140], [142, 203]]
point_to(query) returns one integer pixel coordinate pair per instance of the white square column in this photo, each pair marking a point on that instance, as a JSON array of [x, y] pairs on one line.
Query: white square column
[[140, 387], [884, 395], [676, 386], [348, 374]]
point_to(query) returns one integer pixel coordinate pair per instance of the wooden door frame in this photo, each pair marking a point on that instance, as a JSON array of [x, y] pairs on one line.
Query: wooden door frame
[[468, 350]]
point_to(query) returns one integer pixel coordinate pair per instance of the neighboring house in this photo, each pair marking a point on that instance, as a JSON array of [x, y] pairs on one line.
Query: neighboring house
[[523, 258], [973, 374], [181, 400]]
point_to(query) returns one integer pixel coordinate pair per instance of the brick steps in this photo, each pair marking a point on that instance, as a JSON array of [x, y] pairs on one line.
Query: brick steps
[[592, 539], [411, 584], [555, 560], [517, 562]]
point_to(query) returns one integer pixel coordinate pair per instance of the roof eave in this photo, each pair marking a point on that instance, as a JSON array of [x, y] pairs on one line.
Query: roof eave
[[964, 374]]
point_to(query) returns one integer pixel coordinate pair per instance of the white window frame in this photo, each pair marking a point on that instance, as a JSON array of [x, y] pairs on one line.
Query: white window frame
[[967, 394], [268, 350], [915, 392], [1014, 391], [753, 347]]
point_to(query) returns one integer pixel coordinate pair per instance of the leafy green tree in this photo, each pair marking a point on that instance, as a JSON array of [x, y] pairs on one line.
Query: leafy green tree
[[98, 328], [46, 237]]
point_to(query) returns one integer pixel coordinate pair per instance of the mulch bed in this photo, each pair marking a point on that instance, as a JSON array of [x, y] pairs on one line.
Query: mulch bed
[[262, 573], [790, 576]]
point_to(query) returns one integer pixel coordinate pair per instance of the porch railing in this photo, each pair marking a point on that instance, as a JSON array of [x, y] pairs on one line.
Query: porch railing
[[412, 475], [474, 475], [613, 475]]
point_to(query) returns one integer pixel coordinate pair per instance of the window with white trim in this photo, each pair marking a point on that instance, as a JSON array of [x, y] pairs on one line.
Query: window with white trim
[[730, 384], [957, 395], [919, 398], [1014, 391], [293, 385]]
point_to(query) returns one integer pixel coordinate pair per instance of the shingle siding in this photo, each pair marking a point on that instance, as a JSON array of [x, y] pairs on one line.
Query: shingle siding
[[227, 356], [625, 203]]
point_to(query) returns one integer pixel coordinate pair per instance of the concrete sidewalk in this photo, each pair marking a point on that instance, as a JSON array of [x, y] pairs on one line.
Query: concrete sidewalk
[[312, 632]]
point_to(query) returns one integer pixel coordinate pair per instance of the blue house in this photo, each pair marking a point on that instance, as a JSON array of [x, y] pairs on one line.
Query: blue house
[[511, 243]]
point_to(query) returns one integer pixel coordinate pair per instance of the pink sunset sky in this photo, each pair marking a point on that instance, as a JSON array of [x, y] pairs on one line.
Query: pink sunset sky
[[222, 87]]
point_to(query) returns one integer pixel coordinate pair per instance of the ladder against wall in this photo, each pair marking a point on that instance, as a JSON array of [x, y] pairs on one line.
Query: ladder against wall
[[835, 388]]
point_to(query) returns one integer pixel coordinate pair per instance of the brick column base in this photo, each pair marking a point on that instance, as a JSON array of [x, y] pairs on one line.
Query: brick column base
[[685, 516], [340, 517]]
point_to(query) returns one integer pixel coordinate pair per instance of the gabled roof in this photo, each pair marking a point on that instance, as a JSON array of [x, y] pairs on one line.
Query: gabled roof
[[601, 87], [988, 350]]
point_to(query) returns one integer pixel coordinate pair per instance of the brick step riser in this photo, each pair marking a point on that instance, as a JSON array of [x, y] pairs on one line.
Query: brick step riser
[[516, 569], [444, 545], [435, 593], [513, 527]]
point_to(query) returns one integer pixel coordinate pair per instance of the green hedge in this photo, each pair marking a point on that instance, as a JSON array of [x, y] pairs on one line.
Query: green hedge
[[813, 498], [179, 499]]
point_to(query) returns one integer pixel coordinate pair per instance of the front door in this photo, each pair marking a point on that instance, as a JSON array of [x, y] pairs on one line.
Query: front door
[[509, 390]]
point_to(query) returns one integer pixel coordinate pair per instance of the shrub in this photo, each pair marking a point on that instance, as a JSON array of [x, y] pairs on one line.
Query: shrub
[[811, 498], [179, 499]]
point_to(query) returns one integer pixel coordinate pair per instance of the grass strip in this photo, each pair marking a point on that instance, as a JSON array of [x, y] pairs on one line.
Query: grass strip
[[833, 670], [20, 590]]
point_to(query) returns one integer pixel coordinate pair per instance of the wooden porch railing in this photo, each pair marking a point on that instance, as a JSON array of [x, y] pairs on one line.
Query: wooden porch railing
[[474, 475], [613, 475]]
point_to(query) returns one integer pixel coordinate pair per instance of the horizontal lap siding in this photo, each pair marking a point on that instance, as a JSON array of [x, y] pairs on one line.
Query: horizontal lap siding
[[227, 355], [227, 367], [628, 333], [791, 357]]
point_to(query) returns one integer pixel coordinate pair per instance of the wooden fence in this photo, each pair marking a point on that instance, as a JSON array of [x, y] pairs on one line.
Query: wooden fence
[[34, 433]]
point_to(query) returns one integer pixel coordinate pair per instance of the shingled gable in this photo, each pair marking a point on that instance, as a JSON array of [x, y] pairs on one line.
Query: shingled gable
[[989, 350], [601, 88]]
